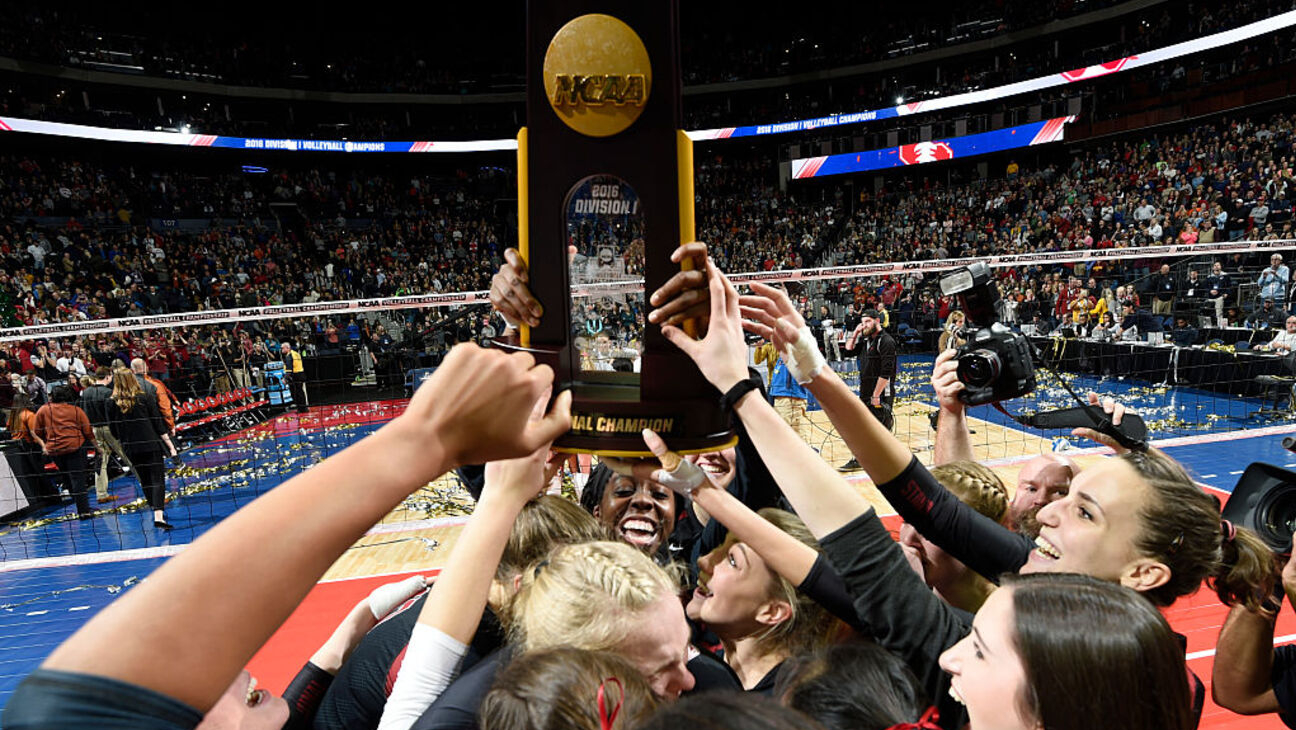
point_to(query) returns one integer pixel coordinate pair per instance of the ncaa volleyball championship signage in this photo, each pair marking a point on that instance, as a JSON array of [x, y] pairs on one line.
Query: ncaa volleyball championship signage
[[590, 90]]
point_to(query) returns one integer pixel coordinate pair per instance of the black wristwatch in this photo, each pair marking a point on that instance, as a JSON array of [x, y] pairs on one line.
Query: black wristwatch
[[735, 394]]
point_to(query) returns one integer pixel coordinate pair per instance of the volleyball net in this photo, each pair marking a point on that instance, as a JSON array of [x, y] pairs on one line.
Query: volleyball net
[[235, 398]]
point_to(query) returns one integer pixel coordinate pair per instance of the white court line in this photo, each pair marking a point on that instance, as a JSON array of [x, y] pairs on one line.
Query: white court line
[[166, 551], [1209, 476], [79, 608]]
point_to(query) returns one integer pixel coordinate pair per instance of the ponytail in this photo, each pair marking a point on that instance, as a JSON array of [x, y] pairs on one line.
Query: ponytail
[[1247, 574], [1182, 528]]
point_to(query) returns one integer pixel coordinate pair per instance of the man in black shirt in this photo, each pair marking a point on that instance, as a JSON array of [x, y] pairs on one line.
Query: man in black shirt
[[1164, 288], [877, 367], [94, 401]]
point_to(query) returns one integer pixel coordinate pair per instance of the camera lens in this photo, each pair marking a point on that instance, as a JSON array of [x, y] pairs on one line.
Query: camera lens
[[1276, 517], [978, 368]]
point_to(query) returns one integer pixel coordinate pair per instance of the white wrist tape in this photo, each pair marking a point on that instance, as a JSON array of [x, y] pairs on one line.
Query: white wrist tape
[[803, 357], [384, 598], [683, 479], [677, 474]]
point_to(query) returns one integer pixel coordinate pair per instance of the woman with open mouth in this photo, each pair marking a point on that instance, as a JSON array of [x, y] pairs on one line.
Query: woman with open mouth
[[1137, 520], [760, 617]]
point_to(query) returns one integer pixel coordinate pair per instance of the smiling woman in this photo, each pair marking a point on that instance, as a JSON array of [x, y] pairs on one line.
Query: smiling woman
[[1021, 668], [638, 512], [760, 616]]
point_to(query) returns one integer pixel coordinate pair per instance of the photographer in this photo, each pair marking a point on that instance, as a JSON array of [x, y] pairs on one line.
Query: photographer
[[1251, 676]]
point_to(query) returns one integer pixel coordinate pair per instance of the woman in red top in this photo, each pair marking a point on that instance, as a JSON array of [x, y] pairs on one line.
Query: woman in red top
[[65, 430], [31, 476]]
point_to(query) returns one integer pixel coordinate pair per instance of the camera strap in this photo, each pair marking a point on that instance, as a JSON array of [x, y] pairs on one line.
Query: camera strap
[[1131, 433]]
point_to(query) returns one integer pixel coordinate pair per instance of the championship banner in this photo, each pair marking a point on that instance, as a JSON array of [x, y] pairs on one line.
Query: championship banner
[[610, 288], [937, 150], [1061, 78]]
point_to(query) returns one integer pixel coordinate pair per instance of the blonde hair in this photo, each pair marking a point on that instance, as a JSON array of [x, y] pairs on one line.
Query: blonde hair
[[588, 596], [126, 389], [811, 626], [544, 523], [976, 486]]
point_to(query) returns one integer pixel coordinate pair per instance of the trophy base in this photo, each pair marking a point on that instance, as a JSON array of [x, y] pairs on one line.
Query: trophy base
[[608, 416], [615, 427]]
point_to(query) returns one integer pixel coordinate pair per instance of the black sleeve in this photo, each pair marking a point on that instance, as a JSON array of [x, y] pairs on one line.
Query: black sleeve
[[303, 695], [710, 674], [753, 485], [887, 356], [155, 418], [114, 419], [473, 477], [896, 608], [456, 708], [982, 544], [1283, 677], [50, 700], [825, 585]]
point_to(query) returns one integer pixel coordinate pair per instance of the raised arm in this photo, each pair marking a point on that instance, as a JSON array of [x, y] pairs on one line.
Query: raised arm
[[474, 408], [785, 555], [981, 543], [817, 492], [953, 440], [1242, 675], [892, 604], [454, 605]]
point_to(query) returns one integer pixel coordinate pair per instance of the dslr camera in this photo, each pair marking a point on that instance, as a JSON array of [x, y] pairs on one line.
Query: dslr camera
[[995, 363], [1264, 500]]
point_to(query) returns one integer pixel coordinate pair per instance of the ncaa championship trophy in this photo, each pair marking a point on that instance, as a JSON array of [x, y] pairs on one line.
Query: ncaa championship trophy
[[605, 195]]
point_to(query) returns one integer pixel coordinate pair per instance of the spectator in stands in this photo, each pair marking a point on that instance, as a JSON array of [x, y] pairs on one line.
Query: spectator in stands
[[65, 432], [1183, 334], [45, 362], [1274, 279], [295, 374], [1128, 329], [1268, 316], [1218, 289], [1284, 342], [94, 401], [1163, 289]]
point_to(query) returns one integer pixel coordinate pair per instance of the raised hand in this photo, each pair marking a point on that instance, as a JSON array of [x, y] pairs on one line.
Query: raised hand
[[722, 354], [523, 478], [476, 408], [509, 294], [772, 315], [1115, 411], [685, 295], [945, 381], [669, 469]]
